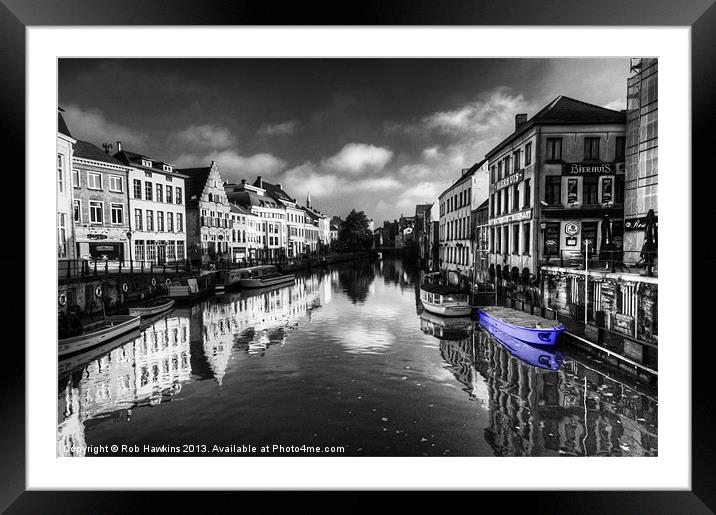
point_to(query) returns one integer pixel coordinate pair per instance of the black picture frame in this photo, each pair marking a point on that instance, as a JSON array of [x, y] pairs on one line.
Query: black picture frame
[[700, 15]]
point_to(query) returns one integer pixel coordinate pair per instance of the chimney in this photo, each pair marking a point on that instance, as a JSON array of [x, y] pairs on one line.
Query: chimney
[[243, 182], [279, 186], [520, 120], [260, 181], [464, 171], [119, 146]]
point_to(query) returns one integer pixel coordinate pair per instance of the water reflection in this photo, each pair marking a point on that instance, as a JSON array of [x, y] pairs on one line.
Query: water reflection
[[146, 370], [537, 411], [347, 356]]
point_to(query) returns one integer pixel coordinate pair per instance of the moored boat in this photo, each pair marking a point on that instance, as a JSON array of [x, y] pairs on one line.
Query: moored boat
[[523, 326], [228, 279], [152, 307], [540, 357], [263, 276], [441, 299], [194, 289], [443, 328], [98, 333]]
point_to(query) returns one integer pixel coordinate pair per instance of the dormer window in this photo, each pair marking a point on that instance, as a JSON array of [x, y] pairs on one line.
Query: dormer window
[[147, 163], [167, 168]]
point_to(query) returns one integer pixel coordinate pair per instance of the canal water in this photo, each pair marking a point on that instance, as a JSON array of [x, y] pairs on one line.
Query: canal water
[[345, 361]]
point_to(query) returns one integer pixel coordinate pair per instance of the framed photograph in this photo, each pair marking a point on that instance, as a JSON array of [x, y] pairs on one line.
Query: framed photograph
[[419, 252]]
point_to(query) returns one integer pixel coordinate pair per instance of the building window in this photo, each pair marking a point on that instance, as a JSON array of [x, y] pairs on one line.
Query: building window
[[516, 196], [551, 239], [516, 239], [619, 189], [528, 154], [115, 183], [553, 190], [526, 195], [554, 149], [117, 211], [492, 240], [171, 251], [180, 222], [492, 174], [147, 174], [506, 235], [95, 211], [137, 219], [148, 190], [139, 250], [77, 211], [620, 149], [170, 222], [151, 250], [169, 195], [160, 221], [179, 196], [75, 178], [506, 193], [94, 181], [507, 166], [499, 170], [62, 235], [60, 173], [591, 149], [137, 188], [167, 168], [526, 238], [590, 190], [160, 193], [150, 220], [517, 160], [180, 250], [498, 198]]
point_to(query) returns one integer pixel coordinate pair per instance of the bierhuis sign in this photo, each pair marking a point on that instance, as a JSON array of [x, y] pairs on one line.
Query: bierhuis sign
[[588, 169]]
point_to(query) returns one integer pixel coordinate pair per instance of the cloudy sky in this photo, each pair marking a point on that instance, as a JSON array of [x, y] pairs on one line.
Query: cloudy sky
[[378, 135]]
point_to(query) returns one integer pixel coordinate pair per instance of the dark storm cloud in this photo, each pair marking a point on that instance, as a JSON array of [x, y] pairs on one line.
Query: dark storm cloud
[[376, 134]]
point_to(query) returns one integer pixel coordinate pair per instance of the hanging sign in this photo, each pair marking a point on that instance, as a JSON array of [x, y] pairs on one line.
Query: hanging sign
[[571, 228], [571, 191], [606, 189], [571, 241]]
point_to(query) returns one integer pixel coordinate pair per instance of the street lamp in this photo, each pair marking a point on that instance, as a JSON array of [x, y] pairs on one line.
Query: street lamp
[[129, 237]]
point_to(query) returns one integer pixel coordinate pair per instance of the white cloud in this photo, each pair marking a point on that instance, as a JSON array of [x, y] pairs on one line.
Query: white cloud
[[616, 105], [91, 125], [233, 166], [357, 158], [203, 136], [278, 129]]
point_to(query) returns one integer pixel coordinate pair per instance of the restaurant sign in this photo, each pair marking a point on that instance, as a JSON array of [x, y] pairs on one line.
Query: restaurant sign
[[588, 169], [510, 179], [637, 224], [512, 217], [93, 236]]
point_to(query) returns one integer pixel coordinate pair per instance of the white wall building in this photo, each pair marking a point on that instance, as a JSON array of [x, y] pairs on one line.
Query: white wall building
[[157, 212], [65, 197]]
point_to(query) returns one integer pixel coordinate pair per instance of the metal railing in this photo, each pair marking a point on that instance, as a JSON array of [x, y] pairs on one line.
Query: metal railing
[[71, 268]]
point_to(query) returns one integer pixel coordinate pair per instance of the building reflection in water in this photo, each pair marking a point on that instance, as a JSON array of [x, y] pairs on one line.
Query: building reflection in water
[[534, 410], [153, 366], [146, 370]]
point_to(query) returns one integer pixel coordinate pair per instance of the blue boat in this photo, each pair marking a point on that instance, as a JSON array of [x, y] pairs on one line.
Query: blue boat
[[523, 326], [540, 357]]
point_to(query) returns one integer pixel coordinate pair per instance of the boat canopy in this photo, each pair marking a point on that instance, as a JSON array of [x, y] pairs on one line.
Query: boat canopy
[[440, 289]]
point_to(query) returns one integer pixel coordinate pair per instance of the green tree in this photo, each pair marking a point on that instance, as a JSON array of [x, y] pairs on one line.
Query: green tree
[[354, 232]]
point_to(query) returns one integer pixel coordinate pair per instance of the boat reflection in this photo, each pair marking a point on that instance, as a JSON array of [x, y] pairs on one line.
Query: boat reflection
[[446, 328], [539, 357], [146, 370]]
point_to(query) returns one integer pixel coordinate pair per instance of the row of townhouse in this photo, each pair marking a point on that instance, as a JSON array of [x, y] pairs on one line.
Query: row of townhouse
[[118, 207], [128, 206], [574, 183]]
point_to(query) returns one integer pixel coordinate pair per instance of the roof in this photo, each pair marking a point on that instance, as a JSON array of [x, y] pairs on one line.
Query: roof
[[194, 183], [247, 199], [86, 150], [484, 205], [274, 190], [235, 208], [422, 208], [135, 160], [565, 110], [464, 177], [62, 126]]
